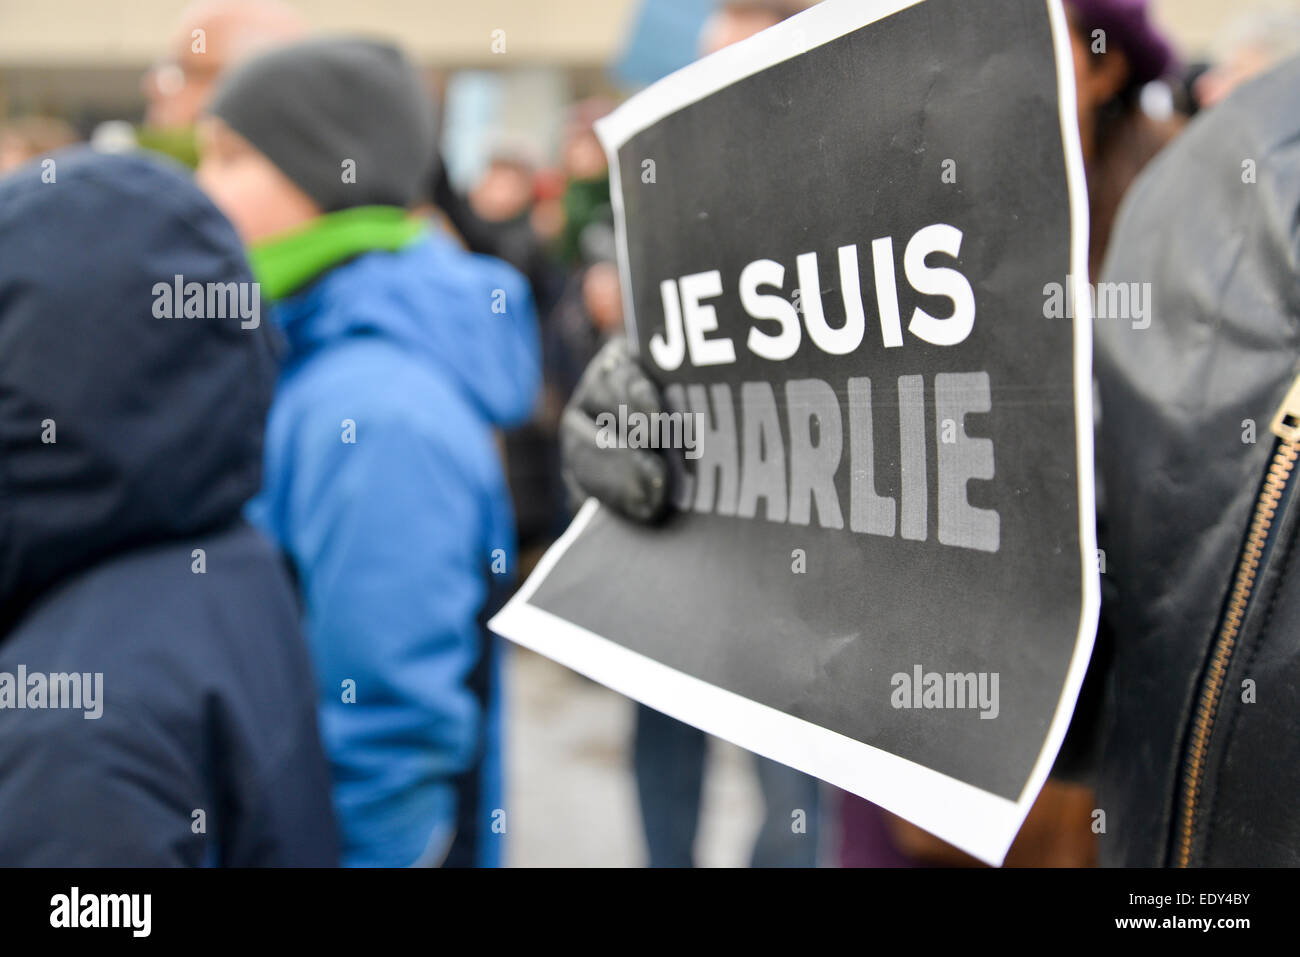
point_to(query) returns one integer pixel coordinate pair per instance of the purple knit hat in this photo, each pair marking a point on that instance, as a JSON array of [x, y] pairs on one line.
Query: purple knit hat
[[1128, 25]]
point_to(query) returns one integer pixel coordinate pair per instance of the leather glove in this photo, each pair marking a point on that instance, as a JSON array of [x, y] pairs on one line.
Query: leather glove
[[633, 482]]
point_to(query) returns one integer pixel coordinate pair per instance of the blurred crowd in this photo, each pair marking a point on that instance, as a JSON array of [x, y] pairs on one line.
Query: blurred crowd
[[391, 427]]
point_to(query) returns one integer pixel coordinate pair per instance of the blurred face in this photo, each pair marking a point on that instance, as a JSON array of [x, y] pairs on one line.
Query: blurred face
[[211, 36], [259, 199], [731, 25], [602, 296], [584, 157], [12, 153], [1214, 85], [505, 191], [178, 88], [1098, 78]]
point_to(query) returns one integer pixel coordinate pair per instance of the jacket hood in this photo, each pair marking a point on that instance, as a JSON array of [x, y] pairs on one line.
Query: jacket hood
[[469, 317], [118, 427]]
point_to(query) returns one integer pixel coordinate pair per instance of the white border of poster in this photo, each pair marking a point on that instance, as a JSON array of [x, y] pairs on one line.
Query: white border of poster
[[981, 823]]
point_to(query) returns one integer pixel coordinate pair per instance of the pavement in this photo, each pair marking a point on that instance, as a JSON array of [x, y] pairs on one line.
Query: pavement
[[571, 797]]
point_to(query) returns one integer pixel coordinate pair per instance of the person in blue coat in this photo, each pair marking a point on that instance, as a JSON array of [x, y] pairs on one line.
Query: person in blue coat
[[384, 483], [157, 703]]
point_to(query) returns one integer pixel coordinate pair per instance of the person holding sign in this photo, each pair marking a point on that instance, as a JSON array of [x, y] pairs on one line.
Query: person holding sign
[[669, 755], [870, 277]]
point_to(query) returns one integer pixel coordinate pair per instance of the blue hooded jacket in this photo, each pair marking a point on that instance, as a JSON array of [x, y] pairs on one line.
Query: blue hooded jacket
[[384, 485]]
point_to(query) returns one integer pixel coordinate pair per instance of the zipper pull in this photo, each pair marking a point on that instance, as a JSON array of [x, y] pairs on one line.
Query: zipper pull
[[1286, 421]]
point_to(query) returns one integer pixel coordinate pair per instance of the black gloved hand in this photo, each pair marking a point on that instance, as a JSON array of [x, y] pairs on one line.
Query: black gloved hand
[[633, 482]]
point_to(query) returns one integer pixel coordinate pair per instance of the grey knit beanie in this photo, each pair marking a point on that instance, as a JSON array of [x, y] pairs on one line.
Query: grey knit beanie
[[347, 120]]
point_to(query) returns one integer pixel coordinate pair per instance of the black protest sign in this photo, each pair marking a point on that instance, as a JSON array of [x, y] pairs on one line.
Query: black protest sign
[[835, 240]]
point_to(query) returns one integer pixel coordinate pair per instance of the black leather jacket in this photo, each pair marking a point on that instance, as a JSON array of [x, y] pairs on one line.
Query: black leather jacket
[[1200, 751]]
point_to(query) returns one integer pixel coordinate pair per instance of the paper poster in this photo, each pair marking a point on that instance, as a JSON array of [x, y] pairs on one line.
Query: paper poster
[[838, 241]]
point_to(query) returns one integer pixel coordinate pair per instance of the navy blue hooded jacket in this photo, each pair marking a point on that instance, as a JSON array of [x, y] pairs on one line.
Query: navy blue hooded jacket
[[129, 444]]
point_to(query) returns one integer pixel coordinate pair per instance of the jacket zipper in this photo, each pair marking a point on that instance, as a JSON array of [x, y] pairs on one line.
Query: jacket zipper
[[1286, 426]]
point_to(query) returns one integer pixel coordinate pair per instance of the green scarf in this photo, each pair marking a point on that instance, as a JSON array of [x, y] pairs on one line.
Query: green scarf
[[179, 143], [285, 263]]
